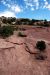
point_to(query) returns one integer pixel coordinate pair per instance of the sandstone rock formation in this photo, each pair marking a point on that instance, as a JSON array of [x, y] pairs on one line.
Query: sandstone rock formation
[[16, 60]]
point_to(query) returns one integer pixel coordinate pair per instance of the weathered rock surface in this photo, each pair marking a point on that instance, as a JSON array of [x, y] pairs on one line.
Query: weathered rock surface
[[17, 61], [5, 45], [15, 40], [30, 46]]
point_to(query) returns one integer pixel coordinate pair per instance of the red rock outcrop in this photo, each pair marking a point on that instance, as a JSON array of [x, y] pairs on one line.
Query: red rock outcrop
[[15, 60]]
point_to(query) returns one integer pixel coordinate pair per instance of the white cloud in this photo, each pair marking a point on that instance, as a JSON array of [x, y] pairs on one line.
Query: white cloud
[[46, 5], [7, 14], [45, 0], [32, 3], [13, 7], [32, 9], [29, 4], [36, 3], [35, 0], [3, 2], [6, 4], [16, 8]]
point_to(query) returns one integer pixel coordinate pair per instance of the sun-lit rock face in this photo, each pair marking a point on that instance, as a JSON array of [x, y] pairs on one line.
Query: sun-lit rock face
[[5, 45], [16, 60], [15, 40]]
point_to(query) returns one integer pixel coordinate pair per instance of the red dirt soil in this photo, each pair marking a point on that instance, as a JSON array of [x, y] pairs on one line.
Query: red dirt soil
[[16, 60]]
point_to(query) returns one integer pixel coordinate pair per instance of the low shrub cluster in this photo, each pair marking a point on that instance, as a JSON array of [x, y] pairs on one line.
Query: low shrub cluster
[[41, 45], [6, 31]]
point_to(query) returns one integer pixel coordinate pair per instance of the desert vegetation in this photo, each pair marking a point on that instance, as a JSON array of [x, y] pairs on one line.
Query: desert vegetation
[[24, 21], [6, 31], [41, 46]]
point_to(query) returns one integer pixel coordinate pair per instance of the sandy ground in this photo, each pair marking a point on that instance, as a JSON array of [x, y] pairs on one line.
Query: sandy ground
[[16, 60]]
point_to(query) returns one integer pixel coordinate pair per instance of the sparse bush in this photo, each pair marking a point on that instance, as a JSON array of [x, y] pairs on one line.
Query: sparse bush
[[6, 31], [46, 23], [41, 45], [21, 34]]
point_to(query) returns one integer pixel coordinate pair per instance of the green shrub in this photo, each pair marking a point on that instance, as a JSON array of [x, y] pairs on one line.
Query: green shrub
[[41, 45], [21, 34], [6, 31]]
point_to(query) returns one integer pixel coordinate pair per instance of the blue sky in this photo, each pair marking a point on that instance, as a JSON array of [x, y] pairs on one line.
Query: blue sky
[[33, 9]]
